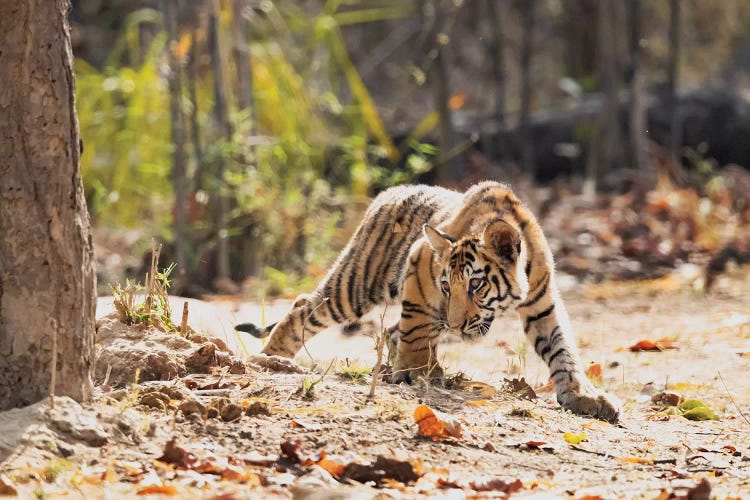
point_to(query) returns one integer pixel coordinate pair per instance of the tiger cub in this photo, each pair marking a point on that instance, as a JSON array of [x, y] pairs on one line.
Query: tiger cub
[[454, 262]]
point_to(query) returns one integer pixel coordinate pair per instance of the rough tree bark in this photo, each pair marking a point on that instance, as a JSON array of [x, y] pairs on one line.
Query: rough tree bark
[[440, 77], [638, 133], [672, 79], [496, 49], [527, 142], [47, 280], [220, 203], [180, 182]]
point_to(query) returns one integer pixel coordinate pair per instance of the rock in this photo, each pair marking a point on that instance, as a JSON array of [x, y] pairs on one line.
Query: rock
[[69, 418], [257, 409], [192, 407], [275, 364], [231, 412], [155, 400]]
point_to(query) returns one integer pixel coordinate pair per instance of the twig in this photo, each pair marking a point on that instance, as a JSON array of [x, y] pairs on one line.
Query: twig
[[732, 399], [379, 360], [183, 324]]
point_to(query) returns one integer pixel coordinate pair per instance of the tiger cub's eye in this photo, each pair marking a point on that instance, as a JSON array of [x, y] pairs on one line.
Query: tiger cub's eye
[[446, 287], [475, 283]]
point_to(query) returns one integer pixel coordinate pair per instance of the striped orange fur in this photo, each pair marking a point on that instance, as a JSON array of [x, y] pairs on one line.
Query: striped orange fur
[[454, 262]]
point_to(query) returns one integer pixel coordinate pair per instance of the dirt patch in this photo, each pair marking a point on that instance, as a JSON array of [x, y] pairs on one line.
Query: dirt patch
[[280, 430], [124, 350]]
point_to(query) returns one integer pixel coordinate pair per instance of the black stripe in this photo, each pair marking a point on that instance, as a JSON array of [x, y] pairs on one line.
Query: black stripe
[[539, 316], [555, 354], [536, 342], [413, 329], [545, 351], [558, 372], [538, 296], [507, 283], [334, 315], [385, 248], [555, 335], [314, 322]]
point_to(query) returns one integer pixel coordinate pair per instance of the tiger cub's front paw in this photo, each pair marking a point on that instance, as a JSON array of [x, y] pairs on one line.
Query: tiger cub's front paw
[[411, 375], [591, 402]]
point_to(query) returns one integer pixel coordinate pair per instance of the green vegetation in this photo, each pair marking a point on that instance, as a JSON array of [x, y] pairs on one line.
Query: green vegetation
[[294, 166]]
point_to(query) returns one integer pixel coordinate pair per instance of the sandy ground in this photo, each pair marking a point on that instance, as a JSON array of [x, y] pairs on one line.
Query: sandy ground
[[652, 452]]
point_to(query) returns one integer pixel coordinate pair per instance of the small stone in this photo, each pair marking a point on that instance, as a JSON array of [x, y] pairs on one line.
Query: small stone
[[667, 398], [155, 400], [231, 412], [256, 409], [192, 407]]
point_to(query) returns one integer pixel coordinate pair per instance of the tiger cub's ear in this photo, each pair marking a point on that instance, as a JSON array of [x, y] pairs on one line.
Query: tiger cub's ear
[[503, 240], [438, 240]]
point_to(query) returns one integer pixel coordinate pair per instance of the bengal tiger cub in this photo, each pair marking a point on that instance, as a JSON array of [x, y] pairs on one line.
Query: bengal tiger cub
[[455, 262]]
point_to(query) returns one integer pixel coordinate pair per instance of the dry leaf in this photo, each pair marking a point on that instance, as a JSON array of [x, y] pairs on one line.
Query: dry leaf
[[594, 372], [163, 489], [430, 426], [290, 450], [653, 345], [384, 468], [497, 485], [7, 488], [173, 454], [479, 388], [519, 388], [336, 469]]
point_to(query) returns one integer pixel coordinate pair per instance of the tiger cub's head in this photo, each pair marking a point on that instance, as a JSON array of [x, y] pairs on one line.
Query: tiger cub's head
[[481, 275]]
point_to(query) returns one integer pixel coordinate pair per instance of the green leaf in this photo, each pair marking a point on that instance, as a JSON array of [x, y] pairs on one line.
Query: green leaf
[[700, 413], [691, 404]]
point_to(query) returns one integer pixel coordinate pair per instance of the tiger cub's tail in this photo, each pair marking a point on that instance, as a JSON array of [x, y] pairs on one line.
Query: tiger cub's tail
[[253, 330]]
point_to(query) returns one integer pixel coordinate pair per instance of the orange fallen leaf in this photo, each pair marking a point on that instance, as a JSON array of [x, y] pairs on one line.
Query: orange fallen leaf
[[331, 466], [7, 487], [594, 372], [430, 426], [745, 354], [653, 345], [163, 489]]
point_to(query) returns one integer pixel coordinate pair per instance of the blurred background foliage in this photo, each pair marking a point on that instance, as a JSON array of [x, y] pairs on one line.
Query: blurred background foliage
[[249, 134]]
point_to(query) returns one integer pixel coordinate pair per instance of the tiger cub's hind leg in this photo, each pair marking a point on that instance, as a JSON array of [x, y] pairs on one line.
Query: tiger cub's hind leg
[[307, 318]]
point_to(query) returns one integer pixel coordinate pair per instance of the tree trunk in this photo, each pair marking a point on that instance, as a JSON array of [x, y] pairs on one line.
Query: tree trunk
[[441, 92], [220, 204], [638, 123], [180, 182], [672, 79], [241, 56], [47, 280], [495, 48], [527, 142]]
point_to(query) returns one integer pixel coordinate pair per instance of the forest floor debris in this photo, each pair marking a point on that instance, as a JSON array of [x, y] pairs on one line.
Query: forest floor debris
[[256, 434]]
